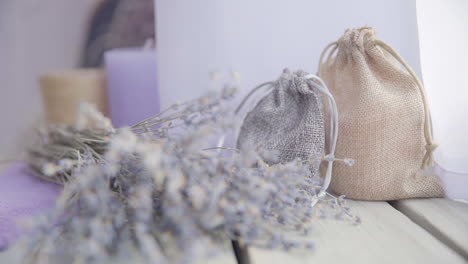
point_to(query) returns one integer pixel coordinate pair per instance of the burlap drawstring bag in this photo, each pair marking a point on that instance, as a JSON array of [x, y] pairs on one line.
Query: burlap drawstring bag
[[384, 121], [290, 120]]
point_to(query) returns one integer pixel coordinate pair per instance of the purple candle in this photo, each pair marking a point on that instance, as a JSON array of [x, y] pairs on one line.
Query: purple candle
[[132, 85]]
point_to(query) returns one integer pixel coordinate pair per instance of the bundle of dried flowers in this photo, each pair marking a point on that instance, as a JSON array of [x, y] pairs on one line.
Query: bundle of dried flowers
[[151, 188]]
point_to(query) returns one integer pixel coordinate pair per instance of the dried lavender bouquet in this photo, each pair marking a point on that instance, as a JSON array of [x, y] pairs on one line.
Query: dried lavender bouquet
[[155, 189]]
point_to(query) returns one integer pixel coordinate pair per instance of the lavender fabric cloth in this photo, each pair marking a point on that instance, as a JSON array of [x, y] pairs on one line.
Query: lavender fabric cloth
[[22, 195]]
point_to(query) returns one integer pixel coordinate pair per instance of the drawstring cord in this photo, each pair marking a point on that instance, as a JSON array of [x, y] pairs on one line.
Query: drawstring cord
[[428, 160], [334, 44], [254, 90], [330, 158]]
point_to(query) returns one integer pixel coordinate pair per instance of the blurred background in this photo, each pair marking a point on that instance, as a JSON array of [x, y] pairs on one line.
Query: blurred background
[[193, 40], [38, 37]]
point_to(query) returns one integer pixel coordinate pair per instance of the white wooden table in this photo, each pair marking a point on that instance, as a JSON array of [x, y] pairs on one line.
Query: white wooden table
[[411, 231]]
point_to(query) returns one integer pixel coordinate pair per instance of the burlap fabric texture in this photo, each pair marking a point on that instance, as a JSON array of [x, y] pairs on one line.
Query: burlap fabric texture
[[289, 120], [384, 121]]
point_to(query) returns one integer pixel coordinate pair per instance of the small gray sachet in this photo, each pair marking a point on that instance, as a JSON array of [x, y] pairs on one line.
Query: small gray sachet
[[290, 121]]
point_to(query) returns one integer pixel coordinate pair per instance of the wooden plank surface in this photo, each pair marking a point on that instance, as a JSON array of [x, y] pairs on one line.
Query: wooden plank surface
[[13, 256], [385, 236], [445, 219]]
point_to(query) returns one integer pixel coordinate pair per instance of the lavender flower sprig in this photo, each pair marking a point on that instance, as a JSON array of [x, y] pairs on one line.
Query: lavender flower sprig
[[152, 188]]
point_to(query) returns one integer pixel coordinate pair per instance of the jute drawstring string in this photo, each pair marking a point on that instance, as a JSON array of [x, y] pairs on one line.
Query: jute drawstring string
[[428, 160]]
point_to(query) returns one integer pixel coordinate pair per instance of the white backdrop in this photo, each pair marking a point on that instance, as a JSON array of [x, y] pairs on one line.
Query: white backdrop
[[443, 32], [259, 38], [35, 36]]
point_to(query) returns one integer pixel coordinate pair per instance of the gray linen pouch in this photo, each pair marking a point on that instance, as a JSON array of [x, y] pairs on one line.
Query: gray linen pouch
[[290, 121]]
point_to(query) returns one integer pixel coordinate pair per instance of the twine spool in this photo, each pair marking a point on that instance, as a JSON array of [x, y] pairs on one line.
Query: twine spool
[[64, 90]]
